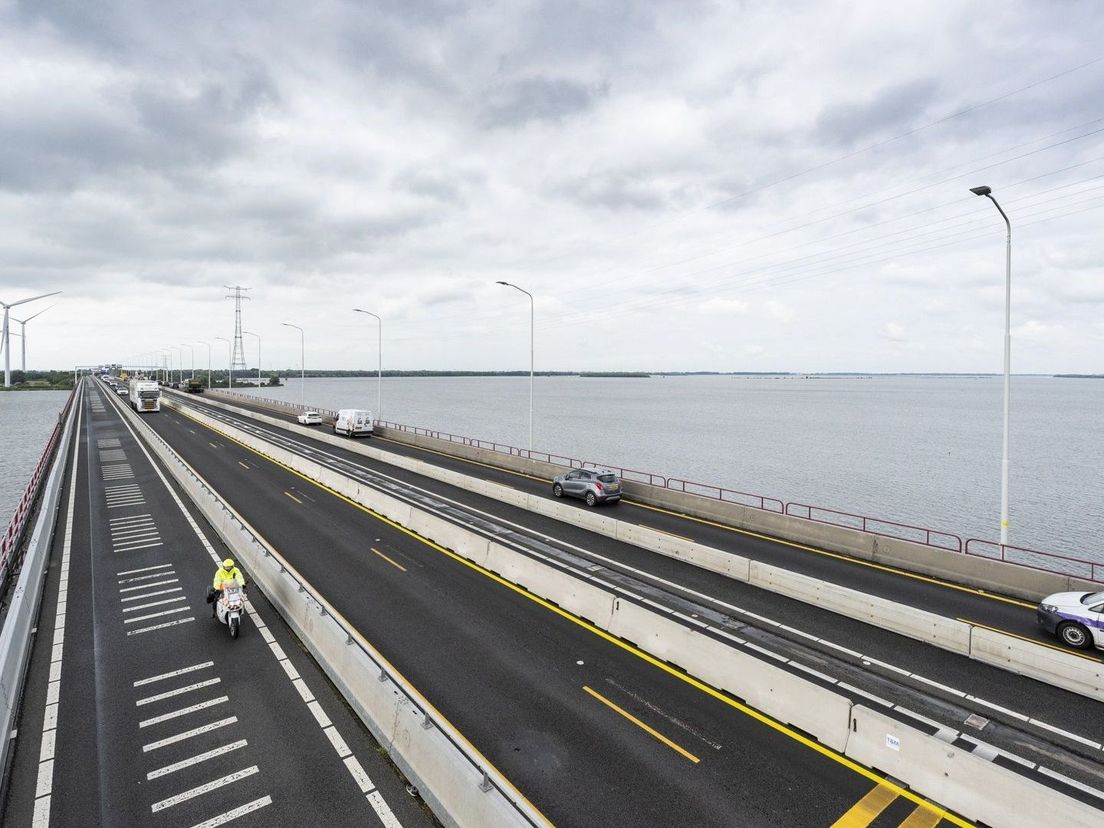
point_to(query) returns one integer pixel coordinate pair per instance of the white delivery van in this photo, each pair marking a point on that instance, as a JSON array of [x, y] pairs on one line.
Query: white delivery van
[[353, 422]]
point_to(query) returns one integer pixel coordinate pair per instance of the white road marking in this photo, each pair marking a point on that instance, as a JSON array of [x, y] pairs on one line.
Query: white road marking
[[160, 626], [188, 734], [195, 760], [144, 569], [179, 691], [356, 770], [214, 785], [229, 816], [145, 595], [174, 673], [147, 586], [338, 743], [375, 799], [155, 603], [184, 711], [145, 577], [45, 780], [123, 521], [134, 548]]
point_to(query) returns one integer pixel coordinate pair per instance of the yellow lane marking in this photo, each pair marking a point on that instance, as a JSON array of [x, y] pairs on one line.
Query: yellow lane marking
[[240, 463], [293, 497], [393, 563], [840, 557], [771, 538], [1032, 640], [762, 718], [421, 700], [654, 733], [921, 818], [866, 810], [665, 532]]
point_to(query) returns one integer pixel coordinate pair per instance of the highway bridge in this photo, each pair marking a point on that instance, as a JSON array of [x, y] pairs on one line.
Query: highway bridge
[[432, 637]]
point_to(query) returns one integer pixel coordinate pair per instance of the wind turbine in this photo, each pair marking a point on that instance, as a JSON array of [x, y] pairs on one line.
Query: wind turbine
[[23, 334], [4, 335]]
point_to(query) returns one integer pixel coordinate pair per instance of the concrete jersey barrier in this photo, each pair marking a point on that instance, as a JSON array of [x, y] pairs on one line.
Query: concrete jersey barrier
[[959, 779]]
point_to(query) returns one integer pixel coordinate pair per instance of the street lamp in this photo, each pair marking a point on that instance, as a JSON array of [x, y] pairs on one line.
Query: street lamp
[[250, 333], [379, 365], [527, 293], [208, 344], [988, 193], [302, 364], [164, 355], [230, 360], [192, 351], [180, 360]]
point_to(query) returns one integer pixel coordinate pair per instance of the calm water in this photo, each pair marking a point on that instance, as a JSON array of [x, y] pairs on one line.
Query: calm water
[[26, 420], [918, 450]]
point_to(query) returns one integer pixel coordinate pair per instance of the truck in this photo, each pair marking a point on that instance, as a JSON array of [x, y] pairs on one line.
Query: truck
[[145, 395], [193, 386], [353, 422]]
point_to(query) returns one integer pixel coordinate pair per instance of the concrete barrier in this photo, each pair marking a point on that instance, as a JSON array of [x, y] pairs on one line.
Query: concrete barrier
[[461, 788], [946, 633], [971, 785], [26, 597], [959, 780], [1080, 675]]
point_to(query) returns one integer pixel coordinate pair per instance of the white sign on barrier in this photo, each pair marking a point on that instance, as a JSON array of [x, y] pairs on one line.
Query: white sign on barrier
[[892, 742]]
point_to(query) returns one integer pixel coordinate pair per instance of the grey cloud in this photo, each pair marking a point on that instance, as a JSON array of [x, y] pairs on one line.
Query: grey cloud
[[538, 99], [612, 191], [892, 109]]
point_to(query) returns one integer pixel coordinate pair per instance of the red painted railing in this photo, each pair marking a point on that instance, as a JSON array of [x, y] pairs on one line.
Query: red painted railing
[[937, 538], [11, 543]]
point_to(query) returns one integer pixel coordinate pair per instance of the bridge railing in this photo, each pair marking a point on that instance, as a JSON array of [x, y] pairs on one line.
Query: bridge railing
[[884, 527], [11, 543]]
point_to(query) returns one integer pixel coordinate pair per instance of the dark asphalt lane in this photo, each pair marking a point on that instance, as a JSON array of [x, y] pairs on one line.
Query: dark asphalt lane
[[1052, 705], [512, 674], [136, 564]]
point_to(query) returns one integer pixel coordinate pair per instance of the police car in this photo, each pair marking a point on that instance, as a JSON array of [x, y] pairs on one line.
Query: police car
[[1075, 617]]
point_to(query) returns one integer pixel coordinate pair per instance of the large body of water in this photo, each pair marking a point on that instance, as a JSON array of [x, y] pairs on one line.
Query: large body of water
[[26, 420], [918, 450]]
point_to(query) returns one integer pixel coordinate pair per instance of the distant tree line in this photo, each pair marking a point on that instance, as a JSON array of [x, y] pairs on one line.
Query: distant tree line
[[40, 381]]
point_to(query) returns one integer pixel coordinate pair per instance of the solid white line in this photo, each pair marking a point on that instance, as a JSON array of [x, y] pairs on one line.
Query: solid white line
[[168, 694], [155, 603], [989, 704], [160, 626], [147, 586], [161, 614], [188, 734], [1072, 782], [1067, 734], [229, 816], [143, 569], [174, 673], [195, 760], [184, 711], [130, 519], [145, 595], [137, 532], [202, 789]]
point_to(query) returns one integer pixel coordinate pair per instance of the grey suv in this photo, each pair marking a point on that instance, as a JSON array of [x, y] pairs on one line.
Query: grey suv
[[592, 485]]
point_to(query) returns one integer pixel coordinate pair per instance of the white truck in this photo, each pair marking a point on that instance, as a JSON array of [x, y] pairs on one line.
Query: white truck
[[353, 422], [145, 395]]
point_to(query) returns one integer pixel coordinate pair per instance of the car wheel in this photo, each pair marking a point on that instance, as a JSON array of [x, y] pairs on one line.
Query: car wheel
[[591, 499], [557, 490], [1074, 635]]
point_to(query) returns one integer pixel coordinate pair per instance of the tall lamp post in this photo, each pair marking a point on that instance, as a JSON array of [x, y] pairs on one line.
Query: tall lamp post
[[250, 333], [208, 344], [192, 351], [531, 312], [302, 364], [379, 365], [230, 363], [988, 193], [165, 356]]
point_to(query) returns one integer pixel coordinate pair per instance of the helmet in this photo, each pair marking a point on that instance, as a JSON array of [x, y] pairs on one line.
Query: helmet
[[228, 563]]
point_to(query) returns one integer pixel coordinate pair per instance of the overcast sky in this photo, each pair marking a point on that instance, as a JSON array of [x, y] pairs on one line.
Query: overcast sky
[[682, 185]]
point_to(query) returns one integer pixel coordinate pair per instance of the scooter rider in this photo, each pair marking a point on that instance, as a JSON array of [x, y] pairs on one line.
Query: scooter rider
[[227, 571]]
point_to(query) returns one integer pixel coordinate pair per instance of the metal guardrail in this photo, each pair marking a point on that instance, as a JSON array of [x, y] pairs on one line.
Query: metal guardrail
[[385, 673], [937, 538], [11, 543]]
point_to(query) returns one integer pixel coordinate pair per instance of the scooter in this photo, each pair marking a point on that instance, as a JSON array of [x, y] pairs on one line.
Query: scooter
[[230, 606]]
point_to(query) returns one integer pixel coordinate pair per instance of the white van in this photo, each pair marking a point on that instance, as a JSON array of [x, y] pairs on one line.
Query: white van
[[353, 422]]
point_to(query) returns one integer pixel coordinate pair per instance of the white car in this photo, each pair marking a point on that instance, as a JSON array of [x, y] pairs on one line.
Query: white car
[[1075, 617], [309, 418]]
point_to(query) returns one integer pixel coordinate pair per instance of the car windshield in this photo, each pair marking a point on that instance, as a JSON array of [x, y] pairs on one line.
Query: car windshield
[[1092, 598]]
